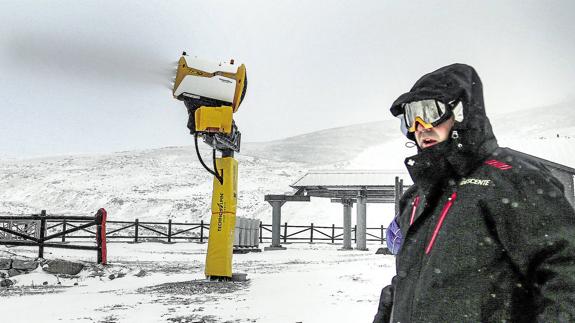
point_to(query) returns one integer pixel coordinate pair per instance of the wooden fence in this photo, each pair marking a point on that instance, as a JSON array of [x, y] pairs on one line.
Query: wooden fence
[[140, 231], [12, 234]]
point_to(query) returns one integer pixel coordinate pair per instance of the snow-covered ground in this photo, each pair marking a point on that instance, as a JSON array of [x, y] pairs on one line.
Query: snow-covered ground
[[305, 283]]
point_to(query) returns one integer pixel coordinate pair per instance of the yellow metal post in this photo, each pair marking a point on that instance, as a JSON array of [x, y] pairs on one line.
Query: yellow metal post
[[223, 220]]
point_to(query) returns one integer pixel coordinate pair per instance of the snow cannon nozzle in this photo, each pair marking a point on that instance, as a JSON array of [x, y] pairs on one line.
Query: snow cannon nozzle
[[212, 92]]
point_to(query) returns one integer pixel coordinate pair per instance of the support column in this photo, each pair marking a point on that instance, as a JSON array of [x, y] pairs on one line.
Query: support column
[[276, 202], [398, 192], [276, 225], [347, 205], [361, 221]]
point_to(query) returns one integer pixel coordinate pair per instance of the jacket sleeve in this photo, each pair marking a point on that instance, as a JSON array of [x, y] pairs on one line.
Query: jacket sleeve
[[536, 226], [385, 304]]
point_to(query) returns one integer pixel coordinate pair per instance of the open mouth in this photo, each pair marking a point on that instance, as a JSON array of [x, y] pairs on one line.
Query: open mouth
[[428, 142]]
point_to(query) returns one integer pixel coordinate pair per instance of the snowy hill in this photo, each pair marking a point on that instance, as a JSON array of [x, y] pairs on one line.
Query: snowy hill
[[547, 132], [170, 183], [324, 147], [150, 184]]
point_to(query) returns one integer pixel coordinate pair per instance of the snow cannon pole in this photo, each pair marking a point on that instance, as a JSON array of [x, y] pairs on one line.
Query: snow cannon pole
[[212, 92], [223, 220]]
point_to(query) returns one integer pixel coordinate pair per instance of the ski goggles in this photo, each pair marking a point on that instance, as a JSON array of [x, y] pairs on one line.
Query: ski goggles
[[429, 113]]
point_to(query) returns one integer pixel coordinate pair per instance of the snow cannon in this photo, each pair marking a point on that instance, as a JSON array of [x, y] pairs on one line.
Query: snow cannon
[[212, 93]]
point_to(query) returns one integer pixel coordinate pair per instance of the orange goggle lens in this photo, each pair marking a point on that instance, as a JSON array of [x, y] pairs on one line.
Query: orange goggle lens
[[418, 119]]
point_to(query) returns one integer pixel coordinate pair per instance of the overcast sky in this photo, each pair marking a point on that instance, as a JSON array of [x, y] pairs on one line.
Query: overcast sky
[[94, 76]]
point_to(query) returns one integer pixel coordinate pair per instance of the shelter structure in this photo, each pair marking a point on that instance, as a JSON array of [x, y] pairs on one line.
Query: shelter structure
[[564, 174], [345, 187]]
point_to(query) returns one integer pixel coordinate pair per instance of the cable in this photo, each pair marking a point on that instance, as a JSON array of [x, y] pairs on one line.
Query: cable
[[218, 176]]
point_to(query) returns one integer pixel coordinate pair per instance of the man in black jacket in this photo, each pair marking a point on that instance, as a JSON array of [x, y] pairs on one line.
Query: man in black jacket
[[483, 235]]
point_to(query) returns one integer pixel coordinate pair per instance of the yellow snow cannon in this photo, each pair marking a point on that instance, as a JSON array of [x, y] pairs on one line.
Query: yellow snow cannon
[[212, 92]]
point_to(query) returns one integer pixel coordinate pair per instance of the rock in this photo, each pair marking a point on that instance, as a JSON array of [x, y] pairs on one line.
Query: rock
[[45, 283], [383, 251], [112, 277], [120, 275], [6, 283], [3, 274], [239, 277], [62, 267], [96, 272], [5, 263], [140, 273], [13, 272], [24, 264]]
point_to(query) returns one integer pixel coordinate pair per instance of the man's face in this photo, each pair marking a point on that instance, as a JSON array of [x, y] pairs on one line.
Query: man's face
[[428, 137]]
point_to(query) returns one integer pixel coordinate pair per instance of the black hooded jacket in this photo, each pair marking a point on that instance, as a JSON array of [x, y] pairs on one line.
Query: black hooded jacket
[[488, 236]]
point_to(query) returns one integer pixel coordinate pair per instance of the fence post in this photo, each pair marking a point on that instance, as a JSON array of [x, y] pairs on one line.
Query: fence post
[[382, 234], [285, 232], [170, 230], [63, 230], [261, 232], [332, 233], [137, 224], [311, 234], [42, 234], [355, 233], [202, 231]]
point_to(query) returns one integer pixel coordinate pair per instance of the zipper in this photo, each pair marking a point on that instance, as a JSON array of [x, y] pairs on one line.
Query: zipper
[[446, 208], [413, 209]]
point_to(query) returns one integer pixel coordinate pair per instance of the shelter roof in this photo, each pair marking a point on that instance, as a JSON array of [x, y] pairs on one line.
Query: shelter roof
[[351, 178], [379, 186]]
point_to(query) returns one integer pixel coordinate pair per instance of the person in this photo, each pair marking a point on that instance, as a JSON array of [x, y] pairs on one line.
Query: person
[[483, 235]]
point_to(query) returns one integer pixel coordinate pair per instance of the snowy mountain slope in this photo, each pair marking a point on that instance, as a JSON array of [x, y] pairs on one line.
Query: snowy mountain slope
[[326, 146], [167, 183], [547, 132]]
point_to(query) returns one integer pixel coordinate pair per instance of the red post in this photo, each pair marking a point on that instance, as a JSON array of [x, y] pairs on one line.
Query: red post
[[101, 216]]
